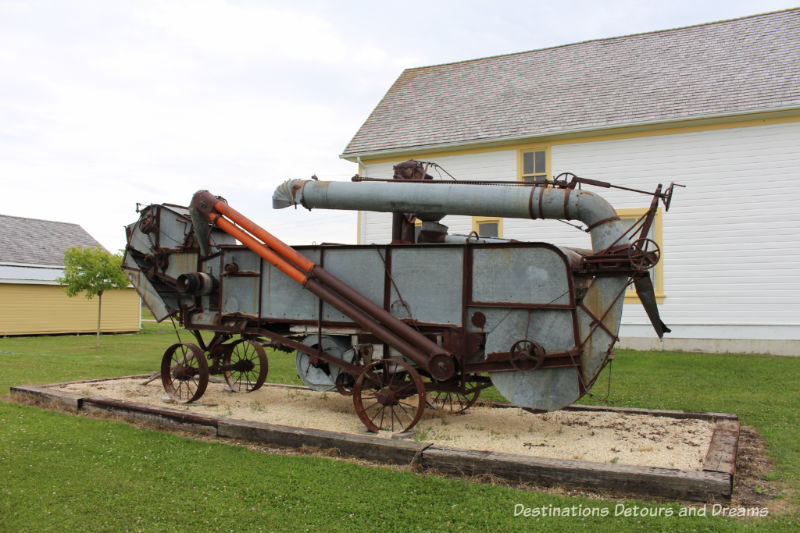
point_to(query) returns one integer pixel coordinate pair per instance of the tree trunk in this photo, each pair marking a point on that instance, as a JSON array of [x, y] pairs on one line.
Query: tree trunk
[[99, 307]]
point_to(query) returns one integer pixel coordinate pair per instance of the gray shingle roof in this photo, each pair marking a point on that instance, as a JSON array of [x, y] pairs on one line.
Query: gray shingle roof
[[39, 242], [737, 66]]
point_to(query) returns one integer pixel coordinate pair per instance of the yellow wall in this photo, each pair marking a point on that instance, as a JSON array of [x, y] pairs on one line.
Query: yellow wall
[[37, 309]]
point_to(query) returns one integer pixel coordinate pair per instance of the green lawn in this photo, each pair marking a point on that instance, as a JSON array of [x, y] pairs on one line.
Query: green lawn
[[61, 472], [47, 359]]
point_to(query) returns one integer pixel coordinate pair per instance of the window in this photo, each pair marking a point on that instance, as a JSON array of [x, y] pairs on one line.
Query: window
[[487, 227], [629, 218], [534, 163]]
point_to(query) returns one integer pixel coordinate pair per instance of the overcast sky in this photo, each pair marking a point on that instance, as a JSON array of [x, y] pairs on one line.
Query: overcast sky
[[104, 103]]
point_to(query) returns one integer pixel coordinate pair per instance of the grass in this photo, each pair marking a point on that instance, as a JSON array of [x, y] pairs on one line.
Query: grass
[[47, 359], [71, 473], [61, 472]]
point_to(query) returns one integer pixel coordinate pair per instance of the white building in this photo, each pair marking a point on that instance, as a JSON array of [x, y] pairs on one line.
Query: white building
[[714, 107]]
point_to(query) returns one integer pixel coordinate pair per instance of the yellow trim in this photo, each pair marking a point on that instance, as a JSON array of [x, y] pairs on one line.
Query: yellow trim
[[476, 221], [658, 231], [631, 132], [533, 148]]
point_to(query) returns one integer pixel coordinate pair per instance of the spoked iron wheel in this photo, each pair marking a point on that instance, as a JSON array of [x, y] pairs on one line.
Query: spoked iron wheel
[[184, 372], [389, 395], [246, 366], [454, 402]]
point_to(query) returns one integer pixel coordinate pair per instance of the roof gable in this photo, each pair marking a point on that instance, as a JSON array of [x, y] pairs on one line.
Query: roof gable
[[738, 66], [39, 242]]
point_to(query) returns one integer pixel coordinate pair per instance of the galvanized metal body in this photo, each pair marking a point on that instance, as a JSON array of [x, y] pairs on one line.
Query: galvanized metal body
[[400, 320], [547, 388]]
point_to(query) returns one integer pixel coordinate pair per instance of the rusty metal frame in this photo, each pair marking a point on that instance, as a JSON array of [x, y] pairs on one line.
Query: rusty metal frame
[[441, 352]]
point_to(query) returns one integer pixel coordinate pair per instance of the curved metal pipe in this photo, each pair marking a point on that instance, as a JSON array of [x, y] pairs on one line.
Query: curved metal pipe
[[437, 198]]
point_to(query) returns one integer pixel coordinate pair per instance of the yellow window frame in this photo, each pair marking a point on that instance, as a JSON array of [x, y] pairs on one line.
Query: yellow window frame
[[635, 214], [521, 175], [477, 221]]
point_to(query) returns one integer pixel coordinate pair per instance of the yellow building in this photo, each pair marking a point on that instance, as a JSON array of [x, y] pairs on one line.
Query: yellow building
[[33, 303]]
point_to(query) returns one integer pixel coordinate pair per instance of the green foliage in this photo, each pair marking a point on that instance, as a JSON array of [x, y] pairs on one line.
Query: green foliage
[[92, 270]]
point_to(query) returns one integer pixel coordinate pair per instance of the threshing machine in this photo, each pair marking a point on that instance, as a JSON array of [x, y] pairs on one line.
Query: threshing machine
[[428, 320]]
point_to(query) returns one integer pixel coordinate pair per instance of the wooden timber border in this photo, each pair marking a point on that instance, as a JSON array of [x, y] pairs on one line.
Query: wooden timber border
[[713, 482]]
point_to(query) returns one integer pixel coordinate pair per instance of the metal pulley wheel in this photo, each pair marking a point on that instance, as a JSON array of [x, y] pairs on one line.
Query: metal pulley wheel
[[184, 372], [526, 355], [320, 375], [389, 395], [644, 254], [245, 365]]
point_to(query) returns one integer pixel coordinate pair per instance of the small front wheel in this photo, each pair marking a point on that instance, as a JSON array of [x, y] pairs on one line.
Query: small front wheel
[[245, 365], [184, 372]]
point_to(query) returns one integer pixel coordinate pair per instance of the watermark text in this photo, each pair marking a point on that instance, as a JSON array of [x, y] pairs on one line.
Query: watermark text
[[626, 510]]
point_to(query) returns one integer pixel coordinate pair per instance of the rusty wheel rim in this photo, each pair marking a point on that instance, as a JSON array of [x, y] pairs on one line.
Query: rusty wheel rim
[[245, 365], [184, 372], [453, 402], [389, 395], [344, 384]]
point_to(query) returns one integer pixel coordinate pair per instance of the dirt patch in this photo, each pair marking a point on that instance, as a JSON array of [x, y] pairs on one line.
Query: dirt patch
[[589, 436], [753, 468]]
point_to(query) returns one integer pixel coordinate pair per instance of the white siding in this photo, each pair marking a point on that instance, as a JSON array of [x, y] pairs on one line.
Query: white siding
[[731, 247], [731, 238]]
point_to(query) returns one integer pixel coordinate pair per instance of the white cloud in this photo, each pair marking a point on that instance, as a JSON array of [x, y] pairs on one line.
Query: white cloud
[[105, 104]]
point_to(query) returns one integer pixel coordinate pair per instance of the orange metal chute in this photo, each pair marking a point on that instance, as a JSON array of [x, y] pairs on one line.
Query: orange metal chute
[[327, 287]]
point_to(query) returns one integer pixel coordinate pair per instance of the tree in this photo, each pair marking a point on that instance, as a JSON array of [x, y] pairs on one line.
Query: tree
[[92, 270]]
